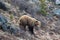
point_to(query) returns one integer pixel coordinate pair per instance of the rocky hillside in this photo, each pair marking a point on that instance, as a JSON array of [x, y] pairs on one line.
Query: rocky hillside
[[12, 10]]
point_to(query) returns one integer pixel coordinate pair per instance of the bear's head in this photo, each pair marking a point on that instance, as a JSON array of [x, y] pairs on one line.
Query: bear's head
[[37, 24]]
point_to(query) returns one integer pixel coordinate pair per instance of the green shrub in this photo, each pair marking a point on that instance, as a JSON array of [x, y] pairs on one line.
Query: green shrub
[[11, 16]]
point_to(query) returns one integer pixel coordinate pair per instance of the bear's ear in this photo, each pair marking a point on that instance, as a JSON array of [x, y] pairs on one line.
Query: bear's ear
[[36, 23]]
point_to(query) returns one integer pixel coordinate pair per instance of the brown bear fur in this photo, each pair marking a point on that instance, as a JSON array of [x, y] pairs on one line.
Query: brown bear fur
[[26, 20]]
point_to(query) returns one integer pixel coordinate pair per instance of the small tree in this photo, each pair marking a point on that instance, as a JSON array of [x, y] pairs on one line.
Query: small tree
[[43, 7]]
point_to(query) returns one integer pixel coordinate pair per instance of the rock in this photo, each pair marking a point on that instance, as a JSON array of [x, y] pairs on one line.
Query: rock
[[2, 6], [3, 19], [56, 12], [5, 6], [8, 6], [4, 22]]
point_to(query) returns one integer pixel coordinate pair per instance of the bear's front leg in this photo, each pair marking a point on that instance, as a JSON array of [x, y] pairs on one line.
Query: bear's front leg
[[31, 30]]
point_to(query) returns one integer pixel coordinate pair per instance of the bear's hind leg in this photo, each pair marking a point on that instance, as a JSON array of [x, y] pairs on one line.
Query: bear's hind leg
[[23, 27]]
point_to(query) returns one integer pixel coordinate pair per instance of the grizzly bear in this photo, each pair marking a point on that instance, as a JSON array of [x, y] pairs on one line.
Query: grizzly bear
[[30, 22]]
